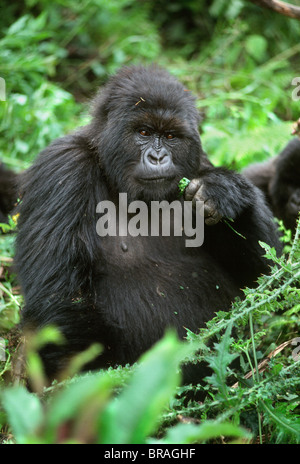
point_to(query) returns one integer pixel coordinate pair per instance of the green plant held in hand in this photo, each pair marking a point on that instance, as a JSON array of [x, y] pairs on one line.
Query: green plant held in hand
[[182, 185]]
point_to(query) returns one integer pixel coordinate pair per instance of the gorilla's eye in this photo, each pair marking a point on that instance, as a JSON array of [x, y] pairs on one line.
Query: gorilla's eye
[[170, 136], [144, 132]]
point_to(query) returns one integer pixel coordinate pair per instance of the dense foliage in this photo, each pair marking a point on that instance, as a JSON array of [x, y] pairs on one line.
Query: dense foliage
[[240, 62]]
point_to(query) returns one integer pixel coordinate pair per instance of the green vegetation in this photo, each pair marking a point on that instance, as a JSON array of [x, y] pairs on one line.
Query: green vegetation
[[239, 61], [183, 183]]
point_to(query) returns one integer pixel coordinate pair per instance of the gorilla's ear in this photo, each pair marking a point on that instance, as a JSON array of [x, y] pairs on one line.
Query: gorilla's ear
[[100, 107], [194, 115]]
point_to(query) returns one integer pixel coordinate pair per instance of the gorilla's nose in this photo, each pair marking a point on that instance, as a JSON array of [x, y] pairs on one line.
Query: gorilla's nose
[[158, 158]]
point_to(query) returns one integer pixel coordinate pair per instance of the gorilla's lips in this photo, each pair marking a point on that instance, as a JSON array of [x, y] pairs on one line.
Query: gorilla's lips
[[157, 179], [155, 176], [157, 187]]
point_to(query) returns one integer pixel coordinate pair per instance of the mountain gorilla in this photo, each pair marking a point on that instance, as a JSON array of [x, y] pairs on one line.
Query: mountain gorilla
[[124, 291], [279, 179]]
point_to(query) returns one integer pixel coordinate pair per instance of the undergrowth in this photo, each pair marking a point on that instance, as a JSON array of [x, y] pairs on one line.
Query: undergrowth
[[240, 64], [250, 395]]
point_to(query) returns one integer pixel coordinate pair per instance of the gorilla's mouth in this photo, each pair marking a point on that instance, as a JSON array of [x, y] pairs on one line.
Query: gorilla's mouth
[[157, 179]]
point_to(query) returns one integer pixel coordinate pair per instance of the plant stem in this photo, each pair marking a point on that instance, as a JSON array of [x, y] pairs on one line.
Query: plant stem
[[257, 373]]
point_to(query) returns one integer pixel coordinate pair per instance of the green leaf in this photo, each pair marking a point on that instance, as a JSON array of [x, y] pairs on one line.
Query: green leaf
[[191, 433], [283, 423], [24, 411], [182, 185], [219, 361], [48, 334], [91, 389], [256, 46], [133, 416]]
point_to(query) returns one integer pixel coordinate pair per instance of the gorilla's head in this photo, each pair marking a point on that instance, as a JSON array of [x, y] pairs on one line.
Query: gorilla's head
[[145, 128], [285, 186]]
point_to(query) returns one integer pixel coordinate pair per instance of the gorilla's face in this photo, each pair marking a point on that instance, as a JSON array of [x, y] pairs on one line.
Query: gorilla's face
[[149, 134], [163, 150]]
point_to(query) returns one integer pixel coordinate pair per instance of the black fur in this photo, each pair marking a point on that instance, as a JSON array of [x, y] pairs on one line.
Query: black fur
[[279, 179], [8, 192], [124, 292]]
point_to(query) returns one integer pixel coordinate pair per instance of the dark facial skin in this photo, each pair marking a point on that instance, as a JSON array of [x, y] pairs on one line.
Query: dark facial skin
[[156, 160], [156, 169]]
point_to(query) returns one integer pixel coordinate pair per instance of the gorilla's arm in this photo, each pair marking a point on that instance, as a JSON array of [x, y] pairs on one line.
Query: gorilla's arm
[[56, 236], [232, 202]]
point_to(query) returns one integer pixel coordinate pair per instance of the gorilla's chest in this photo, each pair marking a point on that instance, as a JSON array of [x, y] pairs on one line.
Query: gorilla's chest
[[163, 280], [122, 255]]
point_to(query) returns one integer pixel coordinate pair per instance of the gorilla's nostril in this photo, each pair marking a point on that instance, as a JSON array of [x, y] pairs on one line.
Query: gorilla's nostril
[[153, 159], [163, 159], [158, 158]]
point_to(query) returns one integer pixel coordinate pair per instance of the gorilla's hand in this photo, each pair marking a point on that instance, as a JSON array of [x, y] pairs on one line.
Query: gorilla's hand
[[226, 194], [198, 191]]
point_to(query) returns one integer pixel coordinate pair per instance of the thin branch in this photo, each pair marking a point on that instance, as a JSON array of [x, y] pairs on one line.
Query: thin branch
[[283, 8]]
